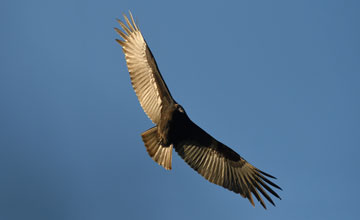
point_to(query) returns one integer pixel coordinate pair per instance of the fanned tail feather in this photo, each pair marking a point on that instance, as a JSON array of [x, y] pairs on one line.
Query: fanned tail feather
[[160, 154]]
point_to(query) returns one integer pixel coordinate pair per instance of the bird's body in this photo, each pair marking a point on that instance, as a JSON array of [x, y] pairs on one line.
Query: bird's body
[[174, 129], [167, 127]]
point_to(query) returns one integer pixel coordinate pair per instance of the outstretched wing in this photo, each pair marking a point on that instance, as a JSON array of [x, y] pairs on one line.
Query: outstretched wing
[[146, 79], [221, 165]]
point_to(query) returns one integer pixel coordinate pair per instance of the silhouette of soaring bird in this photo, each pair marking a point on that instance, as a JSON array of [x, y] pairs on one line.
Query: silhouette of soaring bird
[[210, 158]]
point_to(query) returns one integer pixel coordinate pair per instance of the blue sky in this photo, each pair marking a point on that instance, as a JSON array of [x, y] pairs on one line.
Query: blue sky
[[277, 81]]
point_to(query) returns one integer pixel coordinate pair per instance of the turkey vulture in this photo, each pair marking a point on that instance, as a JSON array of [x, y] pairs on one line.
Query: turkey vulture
[[173, 128]]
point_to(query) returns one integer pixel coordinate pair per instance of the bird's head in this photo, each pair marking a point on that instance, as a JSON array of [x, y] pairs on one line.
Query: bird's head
[[179, 113], [179, 108]]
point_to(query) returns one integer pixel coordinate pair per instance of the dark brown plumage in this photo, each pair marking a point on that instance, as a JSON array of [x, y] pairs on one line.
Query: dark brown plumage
[[213, 160]]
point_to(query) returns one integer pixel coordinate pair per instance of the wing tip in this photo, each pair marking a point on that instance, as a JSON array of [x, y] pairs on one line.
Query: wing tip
[[120, 42], [132, 25], [122, 34], [266, 174]]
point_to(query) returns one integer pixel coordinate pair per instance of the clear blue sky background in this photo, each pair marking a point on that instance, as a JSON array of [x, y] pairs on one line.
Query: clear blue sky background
[[278, 81]]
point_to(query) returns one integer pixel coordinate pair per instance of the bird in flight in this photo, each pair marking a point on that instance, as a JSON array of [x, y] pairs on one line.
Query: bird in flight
[[173, 128]]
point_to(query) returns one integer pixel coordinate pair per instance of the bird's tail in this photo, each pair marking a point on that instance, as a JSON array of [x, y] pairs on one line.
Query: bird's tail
[[160, 154]]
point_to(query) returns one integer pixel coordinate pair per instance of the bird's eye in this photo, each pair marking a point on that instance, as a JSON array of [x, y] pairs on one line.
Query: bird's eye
[[180, 109]]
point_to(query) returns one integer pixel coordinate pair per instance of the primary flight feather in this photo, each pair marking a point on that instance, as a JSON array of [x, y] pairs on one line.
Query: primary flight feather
[[210, 158]]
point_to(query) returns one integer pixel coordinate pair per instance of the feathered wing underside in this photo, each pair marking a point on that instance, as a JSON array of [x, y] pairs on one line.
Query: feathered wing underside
[[221, 165], [146, 79]]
